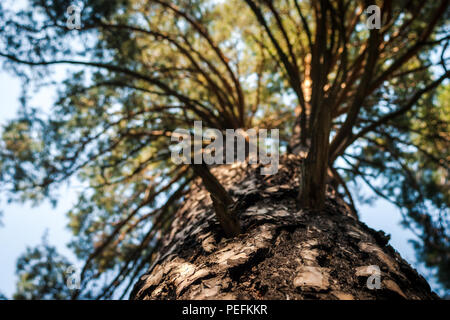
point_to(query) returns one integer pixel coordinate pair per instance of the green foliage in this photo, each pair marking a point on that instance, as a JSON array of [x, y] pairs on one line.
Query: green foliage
[[407, 164], [137, 70], [42, 274]]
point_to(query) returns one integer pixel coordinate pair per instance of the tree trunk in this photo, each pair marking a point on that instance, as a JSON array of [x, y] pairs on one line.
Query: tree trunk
[[282, 253], [314, 168]]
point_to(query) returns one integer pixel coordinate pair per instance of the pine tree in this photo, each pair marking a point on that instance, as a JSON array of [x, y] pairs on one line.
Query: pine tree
[[355, 105]]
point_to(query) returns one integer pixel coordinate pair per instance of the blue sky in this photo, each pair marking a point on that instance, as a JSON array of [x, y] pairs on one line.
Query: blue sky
[[24, 225]]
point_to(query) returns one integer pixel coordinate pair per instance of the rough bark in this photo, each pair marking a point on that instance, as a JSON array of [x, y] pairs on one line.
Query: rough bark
[[314, 168], [282, 252]]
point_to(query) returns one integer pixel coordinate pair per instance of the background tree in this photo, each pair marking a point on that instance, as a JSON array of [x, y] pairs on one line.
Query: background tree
[[43, 274], [362, 104]]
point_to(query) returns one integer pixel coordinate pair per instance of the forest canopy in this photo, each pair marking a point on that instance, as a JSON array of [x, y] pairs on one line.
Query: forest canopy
[[369, 106]]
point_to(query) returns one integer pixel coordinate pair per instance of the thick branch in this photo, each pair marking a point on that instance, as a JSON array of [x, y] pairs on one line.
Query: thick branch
[[222, 201]]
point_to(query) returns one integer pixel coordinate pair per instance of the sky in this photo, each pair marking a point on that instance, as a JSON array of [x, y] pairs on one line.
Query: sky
[[24, 226]]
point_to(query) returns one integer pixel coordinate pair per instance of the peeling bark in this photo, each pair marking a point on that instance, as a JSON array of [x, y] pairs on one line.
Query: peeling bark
[[282, 252]]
